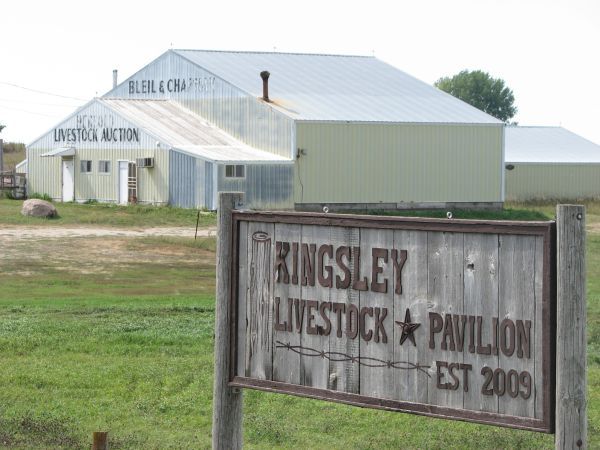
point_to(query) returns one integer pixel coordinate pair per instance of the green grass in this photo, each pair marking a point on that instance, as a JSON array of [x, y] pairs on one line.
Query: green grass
[[505, 214], [104, 214], [126, 349], [125, 344]]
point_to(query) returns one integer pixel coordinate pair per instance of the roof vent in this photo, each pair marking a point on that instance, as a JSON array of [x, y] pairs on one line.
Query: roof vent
[[115, 78], [265, 77]]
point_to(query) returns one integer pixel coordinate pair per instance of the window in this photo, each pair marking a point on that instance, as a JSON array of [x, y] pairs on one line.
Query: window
[[103, 166], [86, 166], [237, 171]]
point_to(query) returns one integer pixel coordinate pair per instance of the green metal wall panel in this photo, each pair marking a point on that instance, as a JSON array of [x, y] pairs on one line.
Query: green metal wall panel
[[553, 181], [393, 163]]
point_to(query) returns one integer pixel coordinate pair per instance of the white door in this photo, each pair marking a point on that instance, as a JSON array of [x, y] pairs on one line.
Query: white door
[[123, 173], [68, 186]]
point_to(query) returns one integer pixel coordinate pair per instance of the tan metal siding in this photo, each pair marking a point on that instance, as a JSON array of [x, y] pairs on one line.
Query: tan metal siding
[[392, 163], [553, 181], [45, 176], [151, 183]]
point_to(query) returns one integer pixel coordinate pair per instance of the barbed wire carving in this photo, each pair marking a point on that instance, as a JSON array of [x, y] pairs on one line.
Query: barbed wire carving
[[365, 361]]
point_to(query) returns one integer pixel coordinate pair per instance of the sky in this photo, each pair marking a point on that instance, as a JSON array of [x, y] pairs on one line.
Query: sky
[[55, 56]]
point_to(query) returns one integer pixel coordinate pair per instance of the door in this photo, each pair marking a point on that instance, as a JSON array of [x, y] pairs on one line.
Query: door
[[68, 185], [132, 183], [123, 179]]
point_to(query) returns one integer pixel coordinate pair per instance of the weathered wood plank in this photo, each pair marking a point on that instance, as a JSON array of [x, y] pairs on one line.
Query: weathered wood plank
[[571, 363], [518, 301], [481, 299], [377, 346], [227, 402], [314, 370], [286, 363], [344, 375], [445, 291], [537, 329], [259, 352], [242, 288], [412, 383]]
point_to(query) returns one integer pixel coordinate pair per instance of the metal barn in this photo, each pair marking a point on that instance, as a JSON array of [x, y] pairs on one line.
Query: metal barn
[[550, 163], [293, 131], [150, 151]]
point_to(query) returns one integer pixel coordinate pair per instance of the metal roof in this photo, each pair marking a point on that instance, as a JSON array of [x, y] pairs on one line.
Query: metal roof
[[180, 128], [337, 88], [548, 145], [241, 153], [60, 151]]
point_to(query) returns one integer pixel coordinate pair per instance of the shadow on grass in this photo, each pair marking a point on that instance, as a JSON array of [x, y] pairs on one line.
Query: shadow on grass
[[41, 429]]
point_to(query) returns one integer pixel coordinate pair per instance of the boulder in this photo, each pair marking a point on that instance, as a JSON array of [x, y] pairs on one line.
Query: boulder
[[38, 208]]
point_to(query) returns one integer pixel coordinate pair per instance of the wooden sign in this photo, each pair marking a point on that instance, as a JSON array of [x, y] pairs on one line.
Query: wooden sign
[[447, 318]]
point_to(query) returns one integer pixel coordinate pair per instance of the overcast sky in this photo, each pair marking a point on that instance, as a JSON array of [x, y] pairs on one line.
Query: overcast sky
[[546, 51]]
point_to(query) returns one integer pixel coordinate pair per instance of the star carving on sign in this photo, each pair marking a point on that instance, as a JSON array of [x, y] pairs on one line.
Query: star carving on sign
[[408, 328]]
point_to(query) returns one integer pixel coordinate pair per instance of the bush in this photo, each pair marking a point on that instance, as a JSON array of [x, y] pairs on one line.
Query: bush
[[40, 196], [10, 195]]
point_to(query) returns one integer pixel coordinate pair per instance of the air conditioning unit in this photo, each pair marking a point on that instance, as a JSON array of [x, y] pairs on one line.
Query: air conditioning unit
[[145, 162]]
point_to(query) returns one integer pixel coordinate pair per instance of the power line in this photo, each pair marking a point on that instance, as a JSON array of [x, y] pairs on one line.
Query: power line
[[41, 92], [28, 112], [36, 103]]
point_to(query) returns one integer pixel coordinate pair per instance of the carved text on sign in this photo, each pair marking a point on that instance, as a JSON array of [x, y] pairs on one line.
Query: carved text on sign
[[308, 264], [440, 320]]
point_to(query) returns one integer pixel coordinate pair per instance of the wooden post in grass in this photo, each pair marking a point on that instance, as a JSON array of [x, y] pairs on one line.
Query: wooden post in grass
[[100, 440], [227, 402], [571, 365]]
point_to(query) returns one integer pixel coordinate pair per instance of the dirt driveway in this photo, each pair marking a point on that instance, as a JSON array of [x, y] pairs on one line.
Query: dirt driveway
[[24, 232], [31, 251]]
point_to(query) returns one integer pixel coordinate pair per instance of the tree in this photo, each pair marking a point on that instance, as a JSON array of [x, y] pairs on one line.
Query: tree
[[479, 89], [2, 127]]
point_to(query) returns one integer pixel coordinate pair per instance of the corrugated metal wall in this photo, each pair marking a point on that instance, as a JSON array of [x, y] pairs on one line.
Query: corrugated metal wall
[[552, 181], [265, 186], [44, 174], [190, 183], [110, 144], [392, 163], [239, 114]]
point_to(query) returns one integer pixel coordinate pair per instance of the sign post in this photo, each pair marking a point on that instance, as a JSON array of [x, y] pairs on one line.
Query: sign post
[[452, 319], [571, 354], [227, 401]]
